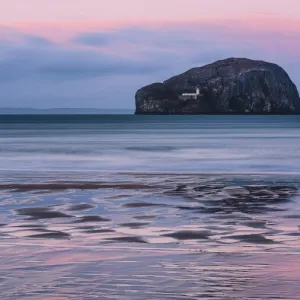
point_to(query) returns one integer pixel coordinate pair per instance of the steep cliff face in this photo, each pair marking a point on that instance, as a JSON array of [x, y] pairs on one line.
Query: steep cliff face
[[234, 85]]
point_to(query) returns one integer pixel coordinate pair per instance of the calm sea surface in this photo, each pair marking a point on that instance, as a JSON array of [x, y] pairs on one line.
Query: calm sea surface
[[149, 207]]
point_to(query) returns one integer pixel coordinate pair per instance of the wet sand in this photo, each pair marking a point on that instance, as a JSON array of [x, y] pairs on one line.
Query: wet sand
[[169, 211], [61, 186], [168, 237]]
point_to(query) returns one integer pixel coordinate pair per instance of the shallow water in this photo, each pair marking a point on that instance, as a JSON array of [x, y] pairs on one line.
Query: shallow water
[[168, 207]]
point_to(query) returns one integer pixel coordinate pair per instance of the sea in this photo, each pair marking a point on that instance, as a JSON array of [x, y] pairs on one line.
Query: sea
[[127, 207]]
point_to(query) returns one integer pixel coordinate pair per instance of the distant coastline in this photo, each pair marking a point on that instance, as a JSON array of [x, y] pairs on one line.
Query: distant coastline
[[64, 111]]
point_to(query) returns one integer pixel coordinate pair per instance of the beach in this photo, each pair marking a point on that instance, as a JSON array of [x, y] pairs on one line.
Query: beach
[[157, 207]]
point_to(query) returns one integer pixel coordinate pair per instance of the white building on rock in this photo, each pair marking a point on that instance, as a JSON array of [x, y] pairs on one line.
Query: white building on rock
[[192, 95]]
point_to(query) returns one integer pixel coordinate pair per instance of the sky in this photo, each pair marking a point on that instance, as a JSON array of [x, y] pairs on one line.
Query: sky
[[96, 54]]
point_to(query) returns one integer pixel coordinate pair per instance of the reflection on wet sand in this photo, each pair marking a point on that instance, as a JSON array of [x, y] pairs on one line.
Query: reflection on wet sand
[[134, 274], [50, 235], [252, 238], [133, 225], [168, 238], [221, 211], [189, 235], [127, 239], [62, 186], [82, 206], [88, 219], [35, 213], [140, 204]]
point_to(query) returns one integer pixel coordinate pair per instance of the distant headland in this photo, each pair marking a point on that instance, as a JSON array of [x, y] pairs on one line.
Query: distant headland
[[230, 86], [64, 111]]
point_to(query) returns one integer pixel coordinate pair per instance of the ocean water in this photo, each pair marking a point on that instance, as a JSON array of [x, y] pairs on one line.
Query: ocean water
[[156, 207]]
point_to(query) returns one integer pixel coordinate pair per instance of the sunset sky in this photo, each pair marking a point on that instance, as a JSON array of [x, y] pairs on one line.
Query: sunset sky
[[94, 53]]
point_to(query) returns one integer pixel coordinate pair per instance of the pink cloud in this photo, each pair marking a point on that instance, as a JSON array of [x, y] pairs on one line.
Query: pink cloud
[[258, 25], [150, 10], [265, 32]]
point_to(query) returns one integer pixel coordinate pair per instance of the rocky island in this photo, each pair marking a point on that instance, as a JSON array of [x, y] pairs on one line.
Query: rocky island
[[230, 86]]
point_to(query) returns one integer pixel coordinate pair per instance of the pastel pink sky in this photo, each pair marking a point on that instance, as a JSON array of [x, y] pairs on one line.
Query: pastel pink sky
[[128, 10], [71, 53]]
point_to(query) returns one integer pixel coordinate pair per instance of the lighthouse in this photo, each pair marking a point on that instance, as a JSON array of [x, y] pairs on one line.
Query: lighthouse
[[187, 96]]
